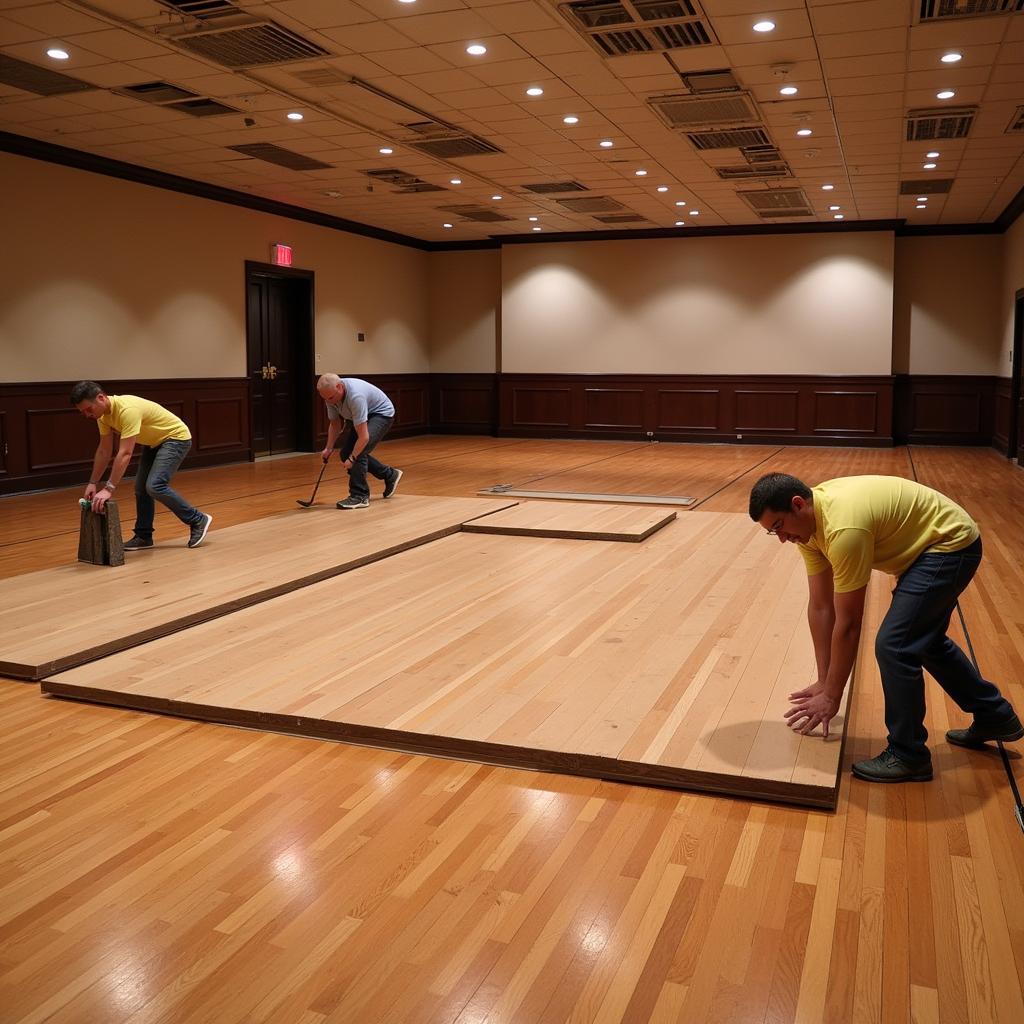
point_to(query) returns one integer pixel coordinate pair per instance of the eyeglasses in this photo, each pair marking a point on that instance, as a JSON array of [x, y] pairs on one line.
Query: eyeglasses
[[776, 526]]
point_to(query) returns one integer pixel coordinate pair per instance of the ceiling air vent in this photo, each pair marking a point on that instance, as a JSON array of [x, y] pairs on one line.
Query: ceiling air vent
[[546, 188], [446, 141], [618, 27], [771, 204], [280, 156], [591, 204], [748, 172], [927, 186], [928, 125], [156, 92], [251, 44], [481, 214], [936, 10], [41, 81], [1017, 121], [202, 107], [202, 10], [762, 155], [710, 81], [719, 110], [322, 77], [741, 138], [623, 218], [404, 182]]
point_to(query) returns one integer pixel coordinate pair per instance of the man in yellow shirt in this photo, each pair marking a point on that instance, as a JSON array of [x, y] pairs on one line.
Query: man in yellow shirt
[[844, 529], [165, 440]]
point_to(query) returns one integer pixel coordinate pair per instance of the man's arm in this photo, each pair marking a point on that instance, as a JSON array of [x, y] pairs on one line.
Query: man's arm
[[362, 440], [334, 429], [99, 463], [821, 618], [820, 707], [117, 471]]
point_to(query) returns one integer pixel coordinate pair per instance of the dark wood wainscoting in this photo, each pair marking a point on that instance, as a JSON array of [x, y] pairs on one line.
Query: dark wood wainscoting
[[768, 409], [463, 403], [1002, 395], [410, 395], [46, 443], [948, 409]]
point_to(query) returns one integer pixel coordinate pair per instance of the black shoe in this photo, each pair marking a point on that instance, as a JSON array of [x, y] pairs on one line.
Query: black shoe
[[889, 767], [136, 543], [392, 483], [197, 533], [353, 502], [979, 733]]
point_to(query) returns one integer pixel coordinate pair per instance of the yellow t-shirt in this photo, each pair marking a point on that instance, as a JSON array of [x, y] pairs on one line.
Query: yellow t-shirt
[[147, 422], [880, 522]]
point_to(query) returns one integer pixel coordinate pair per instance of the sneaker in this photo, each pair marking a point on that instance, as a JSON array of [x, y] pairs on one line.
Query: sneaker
[[392, 483], [979, 733], [889, 767], [353, 502], [136, 543], [198, 532]]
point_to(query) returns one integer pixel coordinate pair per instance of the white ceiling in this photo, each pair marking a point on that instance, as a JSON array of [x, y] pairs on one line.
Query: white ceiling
[[859, 65]]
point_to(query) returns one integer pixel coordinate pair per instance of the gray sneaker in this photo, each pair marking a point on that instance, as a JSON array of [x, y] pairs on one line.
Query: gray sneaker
[[197, 533], [391, 484], [979, 733], [353, 502], [137, 543]]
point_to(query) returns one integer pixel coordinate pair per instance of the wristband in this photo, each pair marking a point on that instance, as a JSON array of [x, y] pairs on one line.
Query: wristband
[[110, 487]]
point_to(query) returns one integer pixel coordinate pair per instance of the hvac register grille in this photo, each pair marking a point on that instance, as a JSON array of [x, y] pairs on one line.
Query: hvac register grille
[[936, 10], [280, 156], [42, 81], [928, 125], [773, 204], [250, 45], [619, 27]]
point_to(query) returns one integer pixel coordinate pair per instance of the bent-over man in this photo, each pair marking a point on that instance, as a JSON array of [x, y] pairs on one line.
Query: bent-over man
[[844, 528]]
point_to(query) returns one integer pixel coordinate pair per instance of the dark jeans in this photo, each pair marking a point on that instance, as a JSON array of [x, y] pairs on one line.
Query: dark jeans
[[913, 635], [376, 427], [152, 481]]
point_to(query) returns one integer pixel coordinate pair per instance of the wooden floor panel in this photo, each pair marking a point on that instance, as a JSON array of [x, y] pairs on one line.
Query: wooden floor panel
[[59, 617], [591, 521], [668, 662]]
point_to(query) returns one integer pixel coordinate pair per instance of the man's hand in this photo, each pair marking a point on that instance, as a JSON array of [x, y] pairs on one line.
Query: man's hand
[[809, 712], [100, 499], [326, 454], [808, 691], [90, 490]]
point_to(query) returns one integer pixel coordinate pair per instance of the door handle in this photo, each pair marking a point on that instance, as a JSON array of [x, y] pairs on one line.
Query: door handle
[[273, 372]]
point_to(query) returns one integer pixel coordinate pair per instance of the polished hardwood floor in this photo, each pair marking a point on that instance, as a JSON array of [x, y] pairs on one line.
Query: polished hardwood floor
[[156, 869]]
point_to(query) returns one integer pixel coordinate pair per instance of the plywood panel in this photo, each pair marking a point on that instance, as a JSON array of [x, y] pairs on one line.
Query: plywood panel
[[590, 521], [664, 662], [64, 616]]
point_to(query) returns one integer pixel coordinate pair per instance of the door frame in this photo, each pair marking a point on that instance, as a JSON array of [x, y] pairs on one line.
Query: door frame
[[305, 426]]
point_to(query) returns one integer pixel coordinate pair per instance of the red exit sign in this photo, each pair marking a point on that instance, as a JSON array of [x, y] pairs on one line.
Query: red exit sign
[[281, 255]]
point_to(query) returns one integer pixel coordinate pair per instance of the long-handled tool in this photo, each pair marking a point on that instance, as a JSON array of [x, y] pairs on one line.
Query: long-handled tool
[[312, 497]]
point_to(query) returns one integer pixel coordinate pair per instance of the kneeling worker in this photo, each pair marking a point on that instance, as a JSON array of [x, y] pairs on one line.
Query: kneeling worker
[[165, 440], [844, 529]]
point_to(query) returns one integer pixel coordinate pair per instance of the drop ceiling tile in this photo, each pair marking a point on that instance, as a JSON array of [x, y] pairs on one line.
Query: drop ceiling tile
[[320, 14], [412, 60], [549, 41], [55, 19], [371, 37], [526, 71], [867, 15]]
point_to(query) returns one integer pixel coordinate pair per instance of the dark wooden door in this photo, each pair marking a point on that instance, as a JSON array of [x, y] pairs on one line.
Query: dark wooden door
[[280, 359], [1016, 439]]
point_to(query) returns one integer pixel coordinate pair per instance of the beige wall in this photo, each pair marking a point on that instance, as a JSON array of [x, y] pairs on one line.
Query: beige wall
[[465, 294], [115, 279], [1012, 282], [814, 304], [948, 310]]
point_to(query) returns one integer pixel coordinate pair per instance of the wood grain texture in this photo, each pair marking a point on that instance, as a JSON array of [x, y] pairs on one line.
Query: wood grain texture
[[592, 521], [168, 587]]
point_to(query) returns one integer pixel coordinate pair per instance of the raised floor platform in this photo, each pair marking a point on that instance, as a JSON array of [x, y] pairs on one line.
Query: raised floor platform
[[57, 618], [668, 662], [573, 522]]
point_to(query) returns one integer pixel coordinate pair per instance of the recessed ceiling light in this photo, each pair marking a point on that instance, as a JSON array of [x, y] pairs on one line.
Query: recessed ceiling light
[[946, 94], [921, 206], [294, 115], [538, 229], [952, 57], [446, 225], [833, 208], [663, 188], [680, 223], [534, 218], [535, 90], [606, 143], [837, 216], [407, 1], [680, 202], [455, 181], [933, 155], [476, 49], [641, 173], [929, 167], [922, 199], [495, 197], [385, 150], [571, 119], [804, 131], [57, 53], [827, 188], [788, 90], [764, 26], [694, 213]]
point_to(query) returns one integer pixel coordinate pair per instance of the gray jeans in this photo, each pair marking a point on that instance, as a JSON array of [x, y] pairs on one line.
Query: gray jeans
[[152, 482], [376, 427]]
